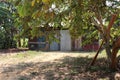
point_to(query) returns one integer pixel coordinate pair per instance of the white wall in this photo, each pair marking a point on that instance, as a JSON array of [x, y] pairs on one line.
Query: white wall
[[65, 40]]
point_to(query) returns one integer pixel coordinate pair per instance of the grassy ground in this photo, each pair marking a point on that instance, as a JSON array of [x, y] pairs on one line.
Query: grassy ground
[[33, 65]]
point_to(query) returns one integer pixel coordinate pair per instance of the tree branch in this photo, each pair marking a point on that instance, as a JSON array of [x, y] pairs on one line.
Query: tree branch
[[97, 26]]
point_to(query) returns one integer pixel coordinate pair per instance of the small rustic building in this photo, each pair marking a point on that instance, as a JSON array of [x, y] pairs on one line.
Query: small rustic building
[[65, 43]]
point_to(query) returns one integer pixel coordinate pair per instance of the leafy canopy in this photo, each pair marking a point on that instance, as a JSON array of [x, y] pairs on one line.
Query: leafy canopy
[[78, 15]]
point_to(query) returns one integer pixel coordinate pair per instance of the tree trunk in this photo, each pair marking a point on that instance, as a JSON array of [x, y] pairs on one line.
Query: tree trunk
[[111, 55], [106, 37], [115, 49], [24, 43], [19, 43], [108, 51], [114, 59]]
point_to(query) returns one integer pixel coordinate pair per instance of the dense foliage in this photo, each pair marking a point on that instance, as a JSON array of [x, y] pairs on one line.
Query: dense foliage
[[6, 26], [78, 15]]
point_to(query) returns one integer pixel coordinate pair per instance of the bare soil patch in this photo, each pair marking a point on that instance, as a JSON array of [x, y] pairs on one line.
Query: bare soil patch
[[53, 66]]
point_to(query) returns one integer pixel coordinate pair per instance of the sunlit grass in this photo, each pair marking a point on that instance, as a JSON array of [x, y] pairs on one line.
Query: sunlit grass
[[31, 55], [28, 54], [27, 63], [11, 58], [20, 54]]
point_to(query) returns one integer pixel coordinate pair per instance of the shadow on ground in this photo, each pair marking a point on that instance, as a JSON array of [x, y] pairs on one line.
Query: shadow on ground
[[13, 50], [67, 68]]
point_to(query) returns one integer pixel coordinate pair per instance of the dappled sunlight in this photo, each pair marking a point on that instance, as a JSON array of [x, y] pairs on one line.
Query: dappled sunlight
[[54, 66]]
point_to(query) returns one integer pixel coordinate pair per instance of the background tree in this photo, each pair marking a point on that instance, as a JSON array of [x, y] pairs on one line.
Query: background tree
[[6, 26]]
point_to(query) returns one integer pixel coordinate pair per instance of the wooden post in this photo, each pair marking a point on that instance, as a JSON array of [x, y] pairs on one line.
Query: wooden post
[[93, 61]]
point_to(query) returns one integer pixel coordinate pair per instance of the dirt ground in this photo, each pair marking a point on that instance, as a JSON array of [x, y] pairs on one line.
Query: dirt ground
[[29, 65]]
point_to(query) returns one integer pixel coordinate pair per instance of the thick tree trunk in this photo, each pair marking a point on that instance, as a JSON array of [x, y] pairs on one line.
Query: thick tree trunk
[[106, 37], [114, 59], [115, 49], [108, 51]]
